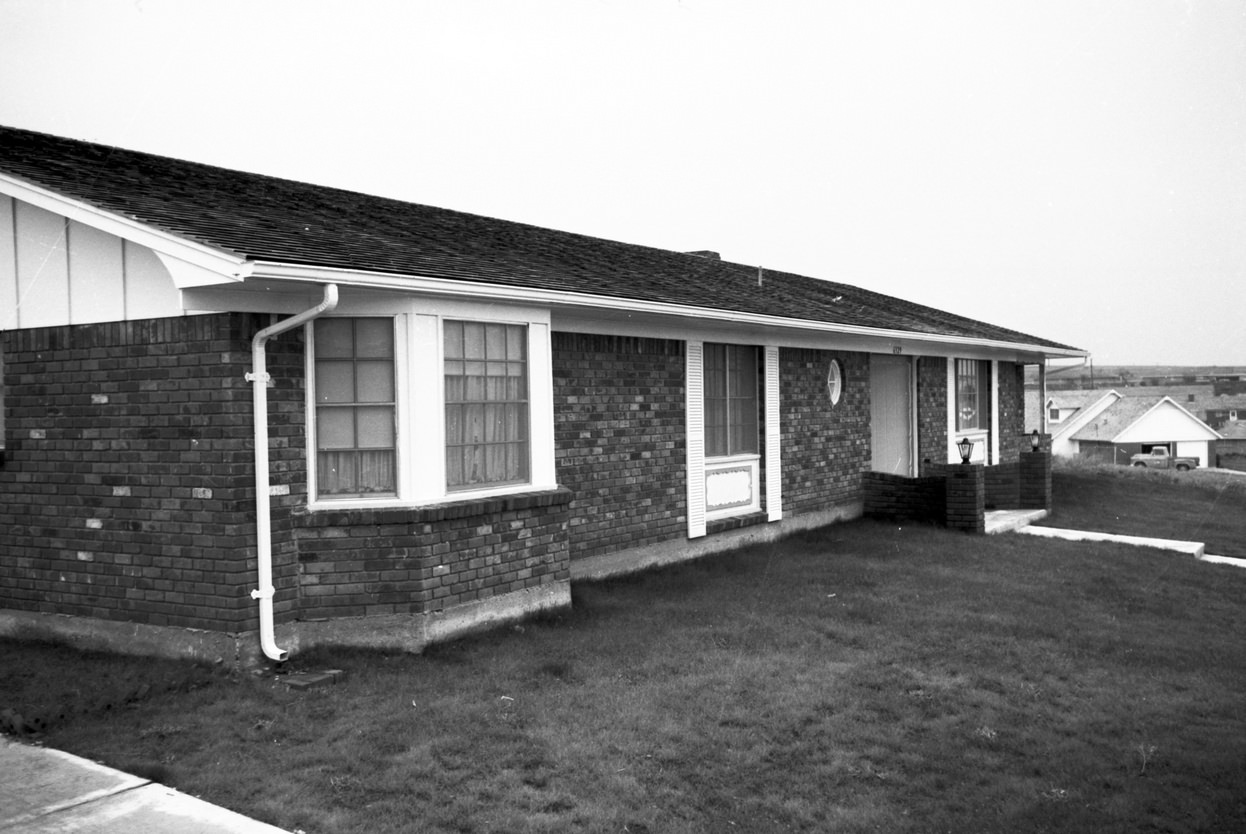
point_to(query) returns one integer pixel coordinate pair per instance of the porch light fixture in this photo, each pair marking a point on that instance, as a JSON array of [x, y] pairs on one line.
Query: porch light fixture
[[1034, 441], [965, 447]]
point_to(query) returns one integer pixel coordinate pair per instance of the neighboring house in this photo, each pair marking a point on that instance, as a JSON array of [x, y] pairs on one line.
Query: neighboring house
[[1067, 412], [1231, 448], [1222, 411], [403, 422], [1134, 425]]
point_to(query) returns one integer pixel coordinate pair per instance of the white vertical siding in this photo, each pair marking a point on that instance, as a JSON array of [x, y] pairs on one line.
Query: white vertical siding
[[96, 269], [8, 266], [694, 406], [55, 271], [42, 267], [774, 452]]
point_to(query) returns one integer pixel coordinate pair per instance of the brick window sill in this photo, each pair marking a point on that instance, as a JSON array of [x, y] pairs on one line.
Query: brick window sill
[[450, 511], [722, 525]]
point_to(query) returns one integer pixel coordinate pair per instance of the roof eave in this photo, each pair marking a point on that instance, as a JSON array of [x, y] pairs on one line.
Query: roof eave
[[230, 266], [559, 298]]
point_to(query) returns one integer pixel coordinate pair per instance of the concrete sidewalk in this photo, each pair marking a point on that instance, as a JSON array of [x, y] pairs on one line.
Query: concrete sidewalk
[[44, 790]]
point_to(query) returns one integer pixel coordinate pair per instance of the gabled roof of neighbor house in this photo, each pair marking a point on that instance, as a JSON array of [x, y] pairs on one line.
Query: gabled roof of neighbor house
[[1130, 412], [1083, 402], [268, 220]]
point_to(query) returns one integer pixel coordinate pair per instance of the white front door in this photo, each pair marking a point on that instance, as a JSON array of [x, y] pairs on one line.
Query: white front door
[[891, 414]]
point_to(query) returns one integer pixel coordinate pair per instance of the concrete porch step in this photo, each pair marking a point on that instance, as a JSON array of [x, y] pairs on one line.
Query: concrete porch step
[[1006, 521]]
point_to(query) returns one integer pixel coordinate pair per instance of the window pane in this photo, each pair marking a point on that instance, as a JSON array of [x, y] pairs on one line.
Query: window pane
[[473, 340], [453, 339], [336, 473], [376, 471], [335, 382], [495, 341], [375, 427], [335, 428], [374, 338], [375, 382], [333, 338], [516, 345]]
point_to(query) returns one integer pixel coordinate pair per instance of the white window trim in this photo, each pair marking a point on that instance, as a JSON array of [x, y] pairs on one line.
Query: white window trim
[[983, 439], [699, 466], [774, 435], [419, 368]]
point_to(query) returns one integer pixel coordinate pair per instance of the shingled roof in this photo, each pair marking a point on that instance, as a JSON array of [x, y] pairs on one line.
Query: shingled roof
[[262, 218]]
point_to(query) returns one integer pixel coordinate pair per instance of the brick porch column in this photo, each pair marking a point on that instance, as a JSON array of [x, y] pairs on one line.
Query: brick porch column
[[1036, 480], [966, 498]]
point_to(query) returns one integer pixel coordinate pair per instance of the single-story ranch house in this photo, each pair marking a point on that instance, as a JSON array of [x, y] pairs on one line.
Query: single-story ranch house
[[245, 414]]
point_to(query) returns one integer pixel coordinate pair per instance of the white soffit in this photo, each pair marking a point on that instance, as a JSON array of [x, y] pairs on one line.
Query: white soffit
[[606, 314]]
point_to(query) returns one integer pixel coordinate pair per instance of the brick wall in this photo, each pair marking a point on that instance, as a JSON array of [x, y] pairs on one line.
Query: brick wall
[[1011, 412], [619, 428], [896, 497], [1003, 485], [931, 412], [127, 491], [406, 561], [826, 449]]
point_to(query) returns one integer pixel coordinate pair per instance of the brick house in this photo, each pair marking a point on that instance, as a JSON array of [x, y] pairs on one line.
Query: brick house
[[244, 414]]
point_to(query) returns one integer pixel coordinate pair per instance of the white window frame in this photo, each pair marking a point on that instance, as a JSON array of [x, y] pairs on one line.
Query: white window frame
[[985, 440], [419, 365], [701, 470]]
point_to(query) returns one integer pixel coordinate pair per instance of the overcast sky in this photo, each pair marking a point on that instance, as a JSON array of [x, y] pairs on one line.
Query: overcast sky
[[1069, 168]]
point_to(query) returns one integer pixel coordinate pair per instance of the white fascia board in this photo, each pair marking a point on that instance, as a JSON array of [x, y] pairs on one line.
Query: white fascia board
[[951, 345], [225, 264]]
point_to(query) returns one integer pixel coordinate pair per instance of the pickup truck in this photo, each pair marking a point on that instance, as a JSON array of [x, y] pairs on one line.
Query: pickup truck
[[1160, 459]]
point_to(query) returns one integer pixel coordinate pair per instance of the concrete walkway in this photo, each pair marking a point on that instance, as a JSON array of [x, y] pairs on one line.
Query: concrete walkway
[[1020, 521], [43, 791]]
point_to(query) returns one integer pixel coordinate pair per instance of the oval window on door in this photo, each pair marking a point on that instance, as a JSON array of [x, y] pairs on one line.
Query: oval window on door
[[835, 381]]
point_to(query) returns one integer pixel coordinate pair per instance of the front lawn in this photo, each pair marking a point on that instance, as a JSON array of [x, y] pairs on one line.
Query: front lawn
[[867, 677], [1201, 506]]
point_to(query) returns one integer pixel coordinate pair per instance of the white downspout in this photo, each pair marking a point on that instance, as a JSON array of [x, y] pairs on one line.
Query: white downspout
[[259, 380]]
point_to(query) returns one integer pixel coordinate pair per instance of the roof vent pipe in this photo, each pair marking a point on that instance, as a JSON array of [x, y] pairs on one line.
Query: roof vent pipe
[[259, 380]]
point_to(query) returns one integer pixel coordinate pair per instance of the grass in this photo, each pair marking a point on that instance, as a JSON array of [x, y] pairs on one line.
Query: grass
[[1191, 506], [868, 677]]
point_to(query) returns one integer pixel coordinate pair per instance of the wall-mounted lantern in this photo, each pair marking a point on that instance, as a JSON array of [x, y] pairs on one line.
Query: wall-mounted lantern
[[965, 447], [1034, 441]]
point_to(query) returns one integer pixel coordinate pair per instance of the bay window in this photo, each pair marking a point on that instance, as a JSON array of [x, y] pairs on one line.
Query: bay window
[[416, 403]]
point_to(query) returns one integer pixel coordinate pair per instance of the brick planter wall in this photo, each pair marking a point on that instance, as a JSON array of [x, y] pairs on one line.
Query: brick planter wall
[[619, 427], [412, 561], [826, 449], [1003, 486], [127, 491], [895, 497]]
